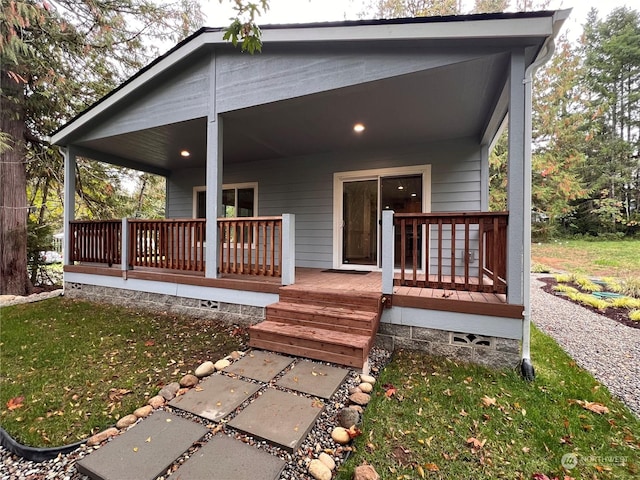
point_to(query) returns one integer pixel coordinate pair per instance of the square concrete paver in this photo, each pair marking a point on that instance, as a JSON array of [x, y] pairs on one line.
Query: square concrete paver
[[281, 418], [143, 452], [224, 458], [313, 378], [216, 397], [259, 365]]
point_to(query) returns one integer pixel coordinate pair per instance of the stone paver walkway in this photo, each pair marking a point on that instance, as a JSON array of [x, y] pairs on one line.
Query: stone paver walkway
[[243, 398]]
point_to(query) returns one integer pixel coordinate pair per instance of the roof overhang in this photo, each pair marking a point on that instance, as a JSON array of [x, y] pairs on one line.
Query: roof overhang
[[460, 100]]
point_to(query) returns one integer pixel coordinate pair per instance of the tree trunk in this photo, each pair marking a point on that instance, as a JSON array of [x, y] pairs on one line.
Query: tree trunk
[[13, 190]]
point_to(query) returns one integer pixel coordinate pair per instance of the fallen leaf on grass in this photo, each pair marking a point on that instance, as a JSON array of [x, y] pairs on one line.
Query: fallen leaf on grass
[[389, 390], [420, 471], [594, 407], [15, 403], [354, 431], [488, 401], [116, 394], [432, 467], [149, 343]]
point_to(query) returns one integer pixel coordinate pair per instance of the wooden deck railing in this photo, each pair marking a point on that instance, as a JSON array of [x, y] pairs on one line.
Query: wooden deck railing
[[95, 241], [251, 245], [464, 251], [170, 244]]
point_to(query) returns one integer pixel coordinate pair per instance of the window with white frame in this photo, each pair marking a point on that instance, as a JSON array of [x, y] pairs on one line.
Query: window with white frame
[[238, 200]]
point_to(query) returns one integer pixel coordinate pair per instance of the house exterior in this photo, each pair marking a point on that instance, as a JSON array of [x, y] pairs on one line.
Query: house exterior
[[346, 162]]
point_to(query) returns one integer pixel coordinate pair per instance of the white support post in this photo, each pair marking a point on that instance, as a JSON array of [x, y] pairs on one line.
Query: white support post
[[288, 249], [516, 173], [69, 199], [388, 250], [124, 247], [214, 193]]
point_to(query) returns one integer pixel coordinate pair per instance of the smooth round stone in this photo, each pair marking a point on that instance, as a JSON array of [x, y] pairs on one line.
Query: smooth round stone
[[360, 398], [205, 369], [98, 438], [221, 364], [126, 421], [143, 411], [319, 470], [235, 355], [188, 381], [353, 390], [327, 460], [367, 379], [340, 435], [357, 408], [169, 391], [156, 402], [348, 417], [365, 472], [365, 387]]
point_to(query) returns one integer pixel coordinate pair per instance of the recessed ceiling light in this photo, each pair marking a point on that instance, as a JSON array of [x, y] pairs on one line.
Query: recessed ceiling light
[[358, 128], [185, 153], [400, 187], [414, 194]]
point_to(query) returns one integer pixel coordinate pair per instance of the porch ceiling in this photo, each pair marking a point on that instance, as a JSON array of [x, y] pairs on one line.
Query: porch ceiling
[[443, 103]]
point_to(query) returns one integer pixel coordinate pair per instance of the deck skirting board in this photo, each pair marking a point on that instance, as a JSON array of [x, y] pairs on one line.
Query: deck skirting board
[[454, 321]]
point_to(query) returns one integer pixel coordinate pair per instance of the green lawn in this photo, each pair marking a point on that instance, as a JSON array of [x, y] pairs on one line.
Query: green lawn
[[455, 421], [80, 366], [605, 258]]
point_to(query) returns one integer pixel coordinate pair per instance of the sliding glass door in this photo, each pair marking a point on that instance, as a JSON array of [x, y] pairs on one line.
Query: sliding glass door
[[363, 200]]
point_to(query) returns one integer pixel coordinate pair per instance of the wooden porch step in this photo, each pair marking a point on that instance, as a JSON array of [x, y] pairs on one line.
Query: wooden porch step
[[317, 343], [364, 301], [337, 318]]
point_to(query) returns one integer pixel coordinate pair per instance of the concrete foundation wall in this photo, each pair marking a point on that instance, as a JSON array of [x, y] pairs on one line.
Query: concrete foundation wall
[[493, 352], [231, 313]]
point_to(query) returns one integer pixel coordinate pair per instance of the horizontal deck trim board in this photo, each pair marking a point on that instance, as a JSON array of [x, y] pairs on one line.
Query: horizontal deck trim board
[[226, 283], [460, 306], [90, 270], [321, 312]]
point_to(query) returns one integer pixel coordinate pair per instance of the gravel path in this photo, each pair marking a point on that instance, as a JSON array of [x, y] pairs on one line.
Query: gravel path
[[606, 348]]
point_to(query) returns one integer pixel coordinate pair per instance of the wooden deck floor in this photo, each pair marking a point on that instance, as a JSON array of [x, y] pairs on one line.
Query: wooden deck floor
[[315, 279]]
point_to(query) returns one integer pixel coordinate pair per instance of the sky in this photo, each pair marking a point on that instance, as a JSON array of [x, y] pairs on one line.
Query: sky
[[303, 11]]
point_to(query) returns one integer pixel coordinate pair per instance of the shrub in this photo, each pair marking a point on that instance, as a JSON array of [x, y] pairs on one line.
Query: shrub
[[626, 302], [634, 315], [631, 287], [613, 284], [565, 288], [589, 300], [587, 285], [564, 277], [540, 268]]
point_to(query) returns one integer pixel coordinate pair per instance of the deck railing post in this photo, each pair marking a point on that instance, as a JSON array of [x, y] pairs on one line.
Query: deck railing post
[[124, 246], [388, 250], [288, 252]]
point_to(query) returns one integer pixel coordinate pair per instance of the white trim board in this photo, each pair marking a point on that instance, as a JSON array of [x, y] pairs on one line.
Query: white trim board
[[240, 297], [454, 322]]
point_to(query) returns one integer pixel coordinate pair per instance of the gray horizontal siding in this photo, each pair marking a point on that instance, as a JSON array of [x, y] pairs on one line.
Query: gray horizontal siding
[[180, 95], [281, 72], [304, 186]]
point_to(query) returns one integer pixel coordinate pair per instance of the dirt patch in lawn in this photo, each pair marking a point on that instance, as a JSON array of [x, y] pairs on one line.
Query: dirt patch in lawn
[[620, 315]]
